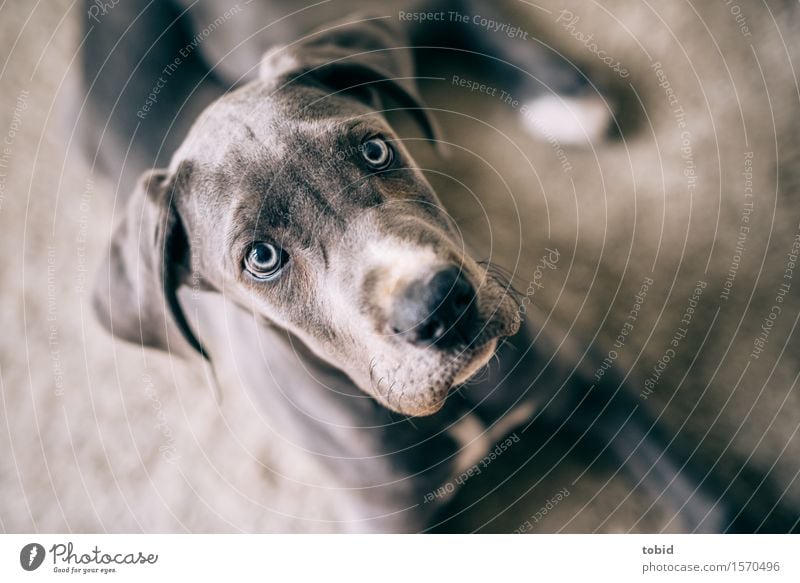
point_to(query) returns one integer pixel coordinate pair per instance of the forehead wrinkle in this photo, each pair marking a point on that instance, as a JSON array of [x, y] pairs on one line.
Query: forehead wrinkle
[[280, 218], [311, 197], [258, 219], [247, 183], [301, 193]]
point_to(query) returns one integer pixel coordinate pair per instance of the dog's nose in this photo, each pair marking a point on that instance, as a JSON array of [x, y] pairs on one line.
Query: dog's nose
[[438, 310]]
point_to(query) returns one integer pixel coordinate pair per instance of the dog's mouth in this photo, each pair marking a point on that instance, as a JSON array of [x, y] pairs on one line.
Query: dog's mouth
[[463, 368], [480, 359], [420, 395], [455, 337]]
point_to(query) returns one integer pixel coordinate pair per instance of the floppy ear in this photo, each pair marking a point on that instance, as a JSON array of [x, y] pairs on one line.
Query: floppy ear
[[135, 294], [365, 58]]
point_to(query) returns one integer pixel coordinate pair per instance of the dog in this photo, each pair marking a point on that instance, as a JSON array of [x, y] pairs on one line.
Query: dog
[[292, 238]]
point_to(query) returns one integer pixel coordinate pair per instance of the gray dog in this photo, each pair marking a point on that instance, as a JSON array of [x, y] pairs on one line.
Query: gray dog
[[292, 238]]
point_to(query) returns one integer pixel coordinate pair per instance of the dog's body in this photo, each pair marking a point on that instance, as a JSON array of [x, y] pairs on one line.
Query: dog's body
[[335, 350]]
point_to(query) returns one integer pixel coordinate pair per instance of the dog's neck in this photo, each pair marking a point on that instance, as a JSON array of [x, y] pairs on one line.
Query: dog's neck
[[397, 464], [320, 410], [311, 402]]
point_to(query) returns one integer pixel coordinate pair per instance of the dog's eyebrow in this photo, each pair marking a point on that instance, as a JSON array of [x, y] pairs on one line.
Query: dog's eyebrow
[[260, 211], [359, 125]]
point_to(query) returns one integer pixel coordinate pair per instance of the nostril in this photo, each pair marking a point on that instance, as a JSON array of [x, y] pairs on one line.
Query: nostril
[[438, 310]]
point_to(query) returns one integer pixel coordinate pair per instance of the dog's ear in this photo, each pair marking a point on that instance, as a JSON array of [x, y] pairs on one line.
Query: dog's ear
[[135, 294], [366, 58]]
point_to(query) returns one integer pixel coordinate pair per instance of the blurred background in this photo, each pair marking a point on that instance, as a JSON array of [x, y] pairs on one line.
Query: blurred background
[[697, 189]]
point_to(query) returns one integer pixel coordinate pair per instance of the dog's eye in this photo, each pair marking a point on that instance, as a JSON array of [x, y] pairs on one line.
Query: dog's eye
[[377, 153], [264, 260]]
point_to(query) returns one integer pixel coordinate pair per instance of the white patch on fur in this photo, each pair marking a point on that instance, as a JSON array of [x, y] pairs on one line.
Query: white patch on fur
[[567, 120], [402, 263], [473, 441], [404, 259], [520, 414]]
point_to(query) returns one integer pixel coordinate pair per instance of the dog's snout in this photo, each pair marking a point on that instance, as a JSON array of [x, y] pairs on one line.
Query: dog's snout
[[437, 310]]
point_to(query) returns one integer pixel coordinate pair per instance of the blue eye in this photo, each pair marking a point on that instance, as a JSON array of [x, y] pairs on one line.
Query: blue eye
[[377, 153], [264, 260]]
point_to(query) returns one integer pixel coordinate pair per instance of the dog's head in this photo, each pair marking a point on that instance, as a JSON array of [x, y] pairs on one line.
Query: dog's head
[[294, 198]]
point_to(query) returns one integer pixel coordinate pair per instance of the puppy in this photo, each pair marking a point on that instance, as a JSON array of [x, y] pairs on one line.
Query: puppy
[[293, 239]]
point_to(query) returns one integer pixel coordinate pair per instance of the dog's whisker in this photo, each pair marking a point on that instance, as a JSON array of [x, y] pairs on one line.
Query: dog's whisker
[[505, 342], [372, 370], [377, 386], [502, 277]]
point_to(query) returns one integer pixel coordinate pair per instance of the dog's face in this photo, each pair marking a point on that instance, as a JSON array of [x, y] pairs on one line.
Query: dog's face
[[302, 205], [322, 223]]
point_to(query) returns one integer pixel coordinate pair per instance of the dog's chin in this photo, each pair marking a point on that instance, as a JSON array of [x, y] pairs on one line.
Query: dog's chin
[[433, 399], [426, 388]]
